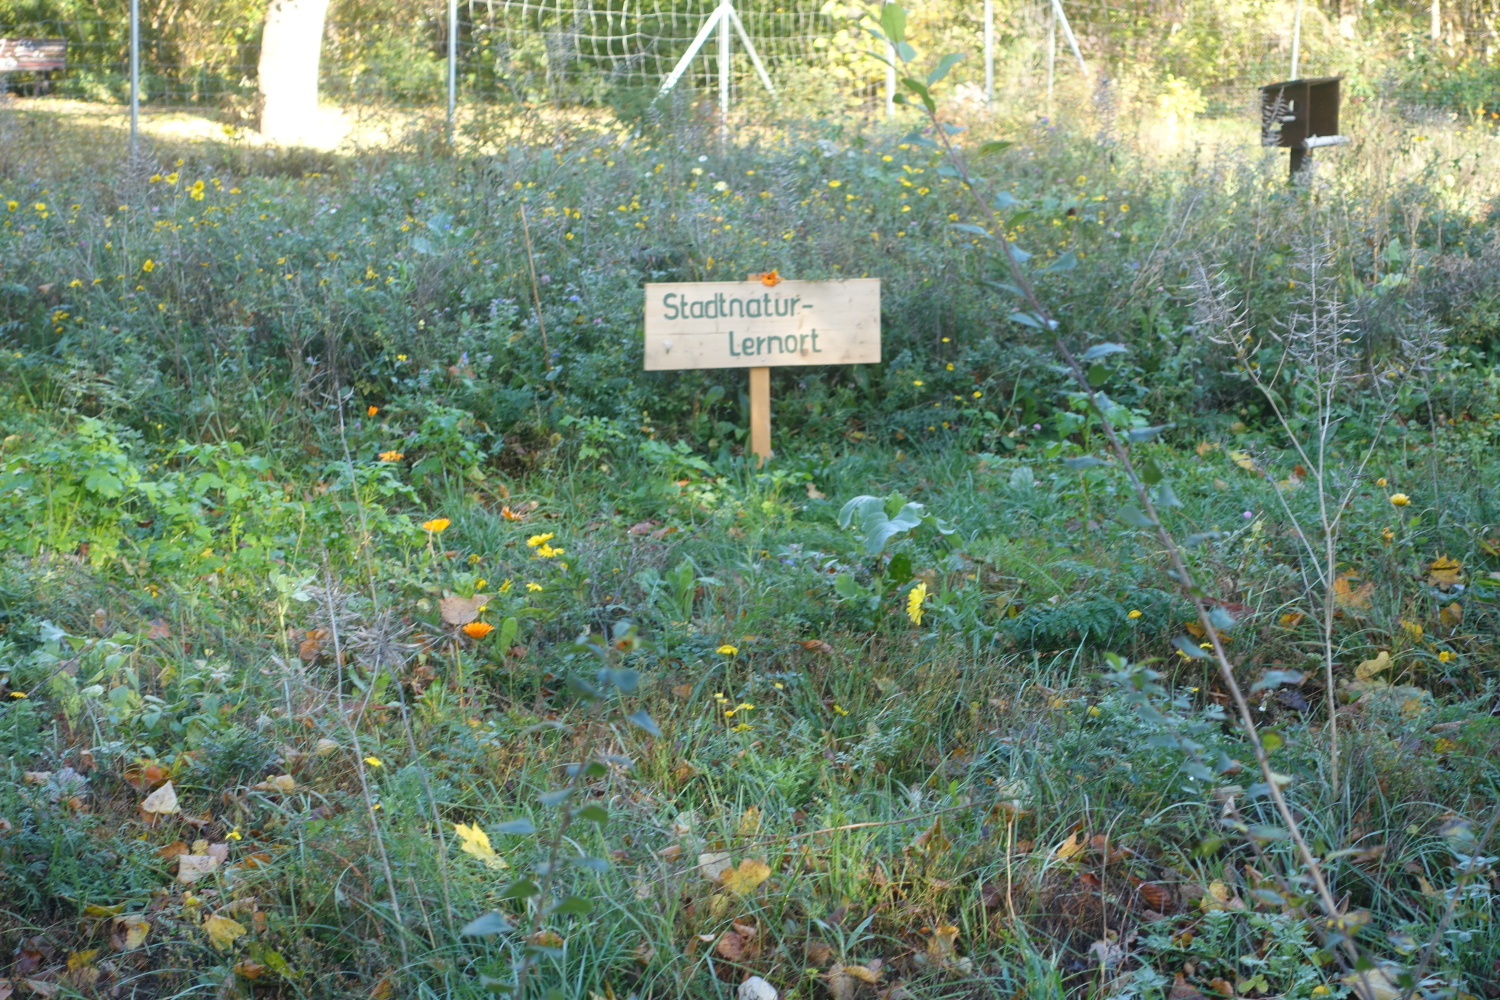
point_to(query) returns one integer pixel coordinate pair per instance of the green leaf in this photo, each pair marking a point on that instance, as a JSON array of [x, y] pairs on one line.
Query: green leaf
[[1221, 619], [519, 827], [920, 89], [1190, 648], [1086, 462], [600, 865], [1135, 517], [522, 888], [641, 718], [508, 629], [969, 227], [1102, 351], [555, 798], [1276, 678], [905, 52], [995, 146], [944, 65], [1165, 497], [626, 680], [1272, 741], [1098, 375], [490, 923], [1139, 434], [1027, 319], [594, 813], [893, 22], [1018, 255], [573, 905], [1150, 472]]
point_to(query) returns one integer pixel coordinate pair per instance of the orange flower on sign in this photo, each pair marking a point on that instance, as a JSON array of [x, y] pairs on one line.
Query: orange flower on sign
[[770, 278], [478, 630], [437, 525]]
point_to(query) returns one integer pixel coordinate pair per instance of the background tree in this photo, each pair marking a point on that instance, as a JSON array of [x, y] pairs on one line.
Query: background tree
[[290, 53]]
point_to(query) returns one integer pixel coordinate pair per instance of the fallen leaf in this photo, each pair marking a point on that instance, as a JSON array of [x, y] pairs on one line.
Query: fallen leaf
[[813, 493], [95, 910], [325, 746], [36, 777], [863, 973], [816, 646], [744, 879], [222, 931], [283, 783], [129, 932], [477, 842], [1346, 595], [1069, 848], [731, 946], [749, 822], [683, 691], [159, 630], [1205, 448], [172, 850], [249, 969], [1157, 896], [1369, 668], [41, 989], [670, 853], [641, 528], [714, 865], [462, 610], [1375, 984], [1291, 619], [162, 802], [311, 646], [1445, 572], [931, 840], [1244, 461], [192, 867], [1452, 616]]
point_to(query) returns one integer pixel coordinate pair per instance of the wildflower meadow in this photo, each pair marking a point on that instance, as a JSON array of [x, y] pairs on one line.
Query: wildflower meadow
[[373, 624]]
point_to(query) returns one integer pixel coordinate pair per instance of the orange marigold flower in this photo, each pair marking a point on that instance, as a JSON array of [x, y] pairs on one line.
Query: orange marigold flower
[[436, 525], [391, 456], [771, 278], [372, 411], [478, 630]]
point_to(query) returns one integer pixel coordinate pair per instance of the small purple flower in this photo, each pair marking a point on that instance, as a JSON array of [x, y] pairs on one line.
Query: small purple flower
[[1248, 515]]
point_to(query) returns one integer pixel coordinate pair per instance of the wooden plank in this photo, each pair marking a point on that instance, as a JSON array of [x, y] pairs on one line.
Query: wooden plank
[[760, 413], [747, 324], [33, 55]]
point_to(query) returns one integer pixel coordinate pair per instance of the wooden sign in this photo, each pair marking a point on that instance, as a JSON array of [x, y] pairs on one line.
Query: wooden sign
[[748, 324], [760, 324]]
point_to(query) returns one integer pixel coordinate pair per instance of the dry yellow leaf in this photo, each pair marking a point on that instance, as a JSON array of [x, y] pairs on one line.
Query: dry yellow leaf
[[477, 842], [931, 840], [1069, 848], [462, 610], [1206, 448], [95, 910], [130, 933], [1244, 461], [749, 823], [163, 801], [1346, 595], [1369, 668], [192, 867], [1452, 616], [714, 865], [1445, 572], [746, 878], [222, 932], [863, 973], [283, 783]]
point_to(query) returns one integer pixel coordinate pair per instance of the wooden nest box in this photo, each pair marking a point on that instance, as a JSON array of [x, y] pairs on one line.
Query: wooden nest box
[[1301, 115]]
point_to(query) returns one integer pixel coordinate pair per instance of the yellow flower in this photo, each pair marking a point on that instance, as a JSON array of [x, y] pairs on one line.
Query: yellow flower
[[914, 602], [536, 540], [916, 382], [1445, 657], [11, 206], [1381, 481], [437, 525], [400, 357], [1124, 208], [532, 588], [480, 583], [371, 411], [478, 630], [18, 694], [172, 177], [840, 709], [373, 761], [1400, 499], [727, 650], [505, 587], [40, 206], [391, 456], [149, 265], [545, 551], [1136, 613], [834, 184]]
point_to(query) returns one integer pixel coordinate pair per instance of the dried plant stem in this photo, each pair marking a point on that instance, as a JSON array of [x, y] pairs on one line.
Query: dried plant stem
[[1448, 911]]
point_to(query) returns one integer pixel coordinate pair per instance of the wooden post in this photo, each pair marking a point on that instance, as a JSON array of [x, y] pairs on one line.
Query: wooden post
[[760, 413]]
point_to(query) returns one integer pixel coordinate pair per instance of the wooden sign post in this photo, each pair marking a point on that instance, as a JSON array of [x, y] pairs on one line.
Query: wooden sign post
[[759, 325]]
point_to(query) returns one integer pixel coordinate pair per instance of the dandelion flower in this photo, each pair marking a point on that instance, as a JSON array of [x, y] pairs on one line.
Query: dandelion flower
[[1400, 499], [840, 709], [148, 265], [536, 540], [374, 762], [437, 525], [478, 630], [1445, 656], [914, 602], [532, 588], [727, 650], [1136, 613]]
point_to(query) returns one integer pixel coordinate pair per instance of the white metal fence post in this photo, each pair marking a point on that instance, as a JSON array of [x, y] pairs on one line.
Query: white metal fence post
[[724, 39], [452, 68], [989, 51], [135, 74]]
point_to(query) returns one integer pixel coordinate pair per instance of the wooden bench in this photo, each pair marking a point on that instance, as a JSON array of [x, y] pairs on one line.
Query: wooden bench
[[39, 56]]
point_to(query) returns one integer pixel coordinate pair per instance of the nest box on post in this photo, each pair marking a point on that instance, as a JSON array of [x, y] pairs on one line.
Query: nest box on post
[[1301, 115]]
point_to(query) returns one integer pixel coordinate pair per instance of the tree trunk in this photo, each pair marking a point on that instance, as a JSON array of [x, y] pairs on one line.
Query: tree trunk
[[290, 49]]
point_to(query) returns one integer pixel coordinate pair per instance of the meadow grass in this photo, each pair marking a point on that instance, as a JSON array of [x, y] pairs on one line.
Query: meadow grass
[[218, 468]]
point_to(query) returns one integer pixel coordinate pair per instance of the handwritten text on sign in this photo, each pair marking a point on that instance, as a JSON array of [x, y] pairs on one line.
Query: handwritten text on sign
[[746, 324]]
